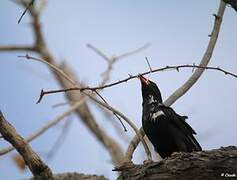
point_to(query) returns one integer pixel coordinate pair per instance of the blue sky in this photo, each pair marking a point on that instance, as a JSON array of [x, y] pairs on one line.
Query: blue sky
[[178, 34]]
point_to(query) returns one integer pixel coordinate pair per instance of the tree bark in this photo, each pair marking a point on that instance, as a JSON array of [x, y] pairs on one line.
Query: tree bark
[[205, 165], [76, 176]]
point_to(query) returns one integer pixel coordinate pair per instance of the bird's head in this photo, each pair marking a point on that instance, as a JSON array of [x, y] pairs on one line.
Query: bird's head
[[150, 91]]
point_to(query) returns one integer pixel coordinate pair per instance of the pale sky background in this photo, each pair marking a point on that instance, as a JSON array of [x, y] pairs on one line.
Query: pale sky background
[[178, 34]]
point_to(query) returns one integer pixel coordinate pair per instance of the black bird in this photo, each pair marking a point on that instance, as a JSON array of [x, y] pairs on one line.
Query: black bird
[[167, 130]]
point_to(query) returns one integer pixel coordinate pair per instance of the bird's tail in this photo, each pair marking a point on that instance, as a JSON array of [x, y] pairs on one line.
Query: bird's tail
[[194, 143]]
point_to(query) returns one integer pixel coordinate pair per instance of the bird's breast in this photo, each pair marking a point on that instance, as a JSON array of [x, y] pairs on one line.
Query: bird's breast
[[152, 116], [156, 115]]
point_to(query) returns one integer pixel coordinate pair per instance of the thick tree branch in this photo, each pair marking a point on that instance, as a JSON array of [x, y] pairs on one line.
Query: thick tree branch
[[195, 76], [215, 164], [36, 165], [77, 176], [205, 60]]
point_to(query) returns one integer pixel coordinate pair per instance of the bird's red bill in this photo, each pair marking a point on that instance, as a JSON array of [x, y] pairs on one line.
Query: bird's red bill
[[143, 80]]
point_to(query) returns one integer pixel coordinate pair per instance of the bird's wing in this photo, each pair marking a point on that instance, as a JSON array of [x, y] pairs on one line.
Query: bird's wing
[[177, 119], [180, 123]]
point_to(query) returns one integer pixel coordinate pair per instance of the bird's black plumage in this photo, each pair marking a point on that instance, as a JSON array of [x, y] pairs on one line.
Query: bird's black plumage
[[167, 130]]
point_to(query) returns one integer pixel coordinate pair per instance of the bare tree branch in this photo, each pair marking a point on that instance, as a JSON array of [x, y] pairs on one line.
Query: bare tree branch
[[99, 52], [131, 52], [113, 59], [17, 48], [28, 6], [177, 67], [205, 60], [104, 104], [33, 161], [148, 63], [124, 127], [60, 139], [52, 66], [195, 76]]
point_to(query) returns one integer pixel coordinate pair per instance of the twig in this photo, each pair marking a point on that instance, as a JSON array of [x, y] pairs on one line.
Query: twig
[[195, 76], [149, 65], [112, 60], [33, 161], [99, 52], [133, 52], [47, 126], [175, 67], [43, 93], [26, 9], [17, 48], [106, 74], [60, 104], [52, 66], [61, 138], [124, 127], [116, 58], [35, 71]]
